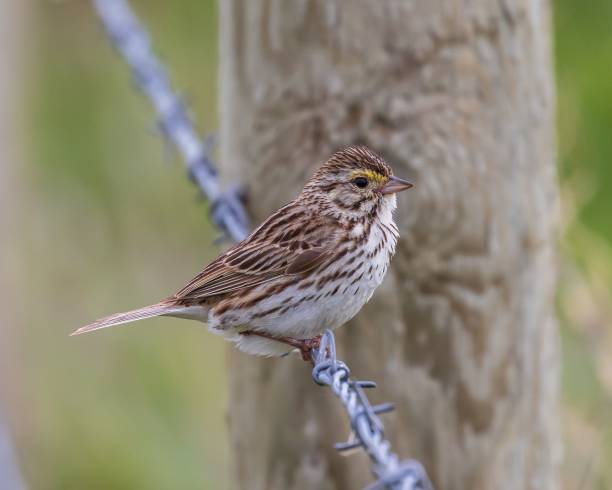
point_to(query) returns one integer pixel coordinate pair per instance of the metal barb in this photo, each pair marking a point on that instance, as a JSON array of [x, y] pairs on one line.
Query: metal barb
[[229, 214], [364, 384], [347, 446]]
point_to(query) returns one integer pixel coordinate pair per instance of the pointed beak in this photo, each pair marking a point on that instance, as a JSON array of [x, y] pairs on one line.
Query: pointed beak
[[394, 185]]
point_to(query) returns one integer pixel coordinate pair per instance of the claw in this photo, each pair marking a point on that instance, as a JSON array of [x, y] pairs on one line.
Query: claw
[[307, 346]]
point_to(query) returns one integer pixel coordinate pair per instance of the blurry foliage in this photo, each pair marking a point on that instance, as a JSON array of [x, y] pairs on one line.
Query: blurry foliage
[[113, 224], [584, 77]]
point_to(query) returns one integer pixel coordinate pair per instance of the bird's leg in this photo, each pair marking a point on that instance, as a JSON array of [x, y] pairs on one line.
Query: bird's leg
[[305, 346]]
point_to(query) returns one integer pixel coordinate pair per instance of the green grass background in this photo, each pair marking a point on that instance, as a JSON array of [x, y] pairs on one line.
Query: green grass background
[[113, 223]]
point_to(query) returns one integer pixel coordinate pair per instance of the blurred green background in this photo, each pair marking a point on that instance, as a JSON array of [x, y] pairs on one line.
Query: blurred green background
[[146, 409]]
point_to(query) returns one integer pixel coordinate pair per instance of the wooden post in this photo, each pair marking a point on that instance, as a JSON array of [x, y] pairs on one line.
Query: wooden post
[[459, 97]]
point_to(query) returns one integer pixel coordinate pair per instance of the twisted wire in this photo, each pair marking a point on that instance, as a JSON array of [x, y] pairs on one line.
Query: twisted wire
[[229, 214], [368, 430]]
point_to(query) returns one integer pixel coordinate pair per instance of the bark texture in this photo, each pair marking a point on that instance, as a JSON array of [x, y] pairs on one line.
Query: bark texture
[[458, 96]]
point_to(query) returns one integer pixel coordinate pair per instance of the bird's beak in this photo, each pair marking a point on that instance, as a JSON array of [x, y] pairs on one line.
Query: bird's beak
[[395, 184]]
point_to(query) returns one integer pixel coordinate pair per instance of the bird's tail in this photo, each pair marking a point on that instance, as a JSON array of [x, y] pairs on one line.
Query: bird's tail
[[159, 309]]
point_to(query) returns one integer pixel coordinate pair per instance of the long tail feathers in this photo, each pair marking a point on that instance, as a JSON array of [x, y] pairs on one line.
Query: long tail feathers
[[158, 309]]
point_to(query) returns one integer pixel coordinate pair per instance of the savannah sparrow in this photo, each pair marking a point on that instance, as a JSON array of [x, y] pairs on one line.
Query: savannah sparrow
[[310, 266]]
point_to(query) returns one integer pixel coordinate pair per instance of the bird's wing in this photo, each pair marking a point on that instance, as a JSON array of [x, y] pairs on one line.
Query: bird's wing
[[260, 258]]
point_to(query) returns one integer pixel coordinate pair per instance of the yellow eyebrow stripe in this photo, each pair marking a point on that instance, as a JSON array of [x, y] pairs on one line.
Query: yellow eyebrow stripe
[[370, 174]]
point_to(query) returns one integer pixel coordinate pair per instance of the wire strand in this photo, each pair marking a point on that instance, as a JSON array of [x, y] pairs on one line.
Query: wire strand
[[368, 429], [132, 41]]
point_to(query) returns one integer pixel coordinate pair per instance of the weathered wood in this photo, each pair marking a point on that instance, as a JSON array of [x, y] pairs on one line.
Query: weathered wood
[[459, 97]]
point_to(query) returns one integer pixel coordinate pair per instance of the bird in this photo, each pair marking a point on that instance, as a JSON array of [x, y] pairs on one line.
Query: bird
[[309, 267]]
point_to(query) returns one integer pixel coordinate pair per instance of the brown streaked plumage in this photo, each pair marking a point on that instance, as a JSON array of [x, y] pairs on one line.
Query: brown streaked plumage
[[311, 265]]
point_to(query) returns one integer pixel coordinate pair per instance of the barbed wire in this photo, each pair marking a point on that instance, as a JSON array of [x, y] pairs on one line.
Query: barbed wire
[[229, 214], [368, 431], [132, 41]]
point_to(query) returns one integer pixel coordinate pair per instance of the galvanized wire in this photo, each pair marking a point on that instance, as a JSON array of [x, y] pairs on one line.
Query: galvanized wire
[[132, 41]]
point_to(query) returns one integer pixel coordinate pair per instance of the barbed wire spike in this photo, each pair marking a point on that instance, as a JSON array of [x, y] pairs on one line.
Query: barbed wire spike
[[228, 212], [347, 446], [364, 384]]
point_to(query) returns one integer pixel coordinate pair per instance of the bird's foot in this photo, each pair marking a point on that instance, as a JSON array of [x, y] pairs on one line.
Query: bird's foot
[[305, 346]]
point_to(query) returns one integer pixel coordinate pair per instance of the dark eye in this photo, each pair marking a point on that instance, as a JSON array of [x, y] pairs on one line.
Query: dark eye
[[360, 182]]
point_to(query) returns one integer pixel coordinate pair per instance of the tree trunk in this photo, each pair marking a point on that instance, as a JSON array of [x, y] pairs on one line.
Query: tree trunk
[[458, 97]]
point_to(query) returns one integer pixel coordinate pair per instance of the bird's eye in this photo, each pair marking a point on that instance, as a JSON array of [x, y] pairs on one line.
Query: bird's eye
[[360, 182]]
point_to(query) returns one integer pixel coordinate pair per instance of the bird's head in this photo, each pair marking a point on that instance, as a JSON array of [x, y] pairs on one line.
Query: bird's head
[[355, 181]]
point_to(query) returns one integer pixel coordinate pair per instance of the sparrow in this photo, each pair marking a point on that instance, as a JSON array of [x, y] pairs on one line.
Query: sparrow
[[310, 266]]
